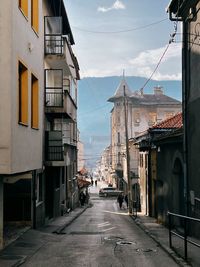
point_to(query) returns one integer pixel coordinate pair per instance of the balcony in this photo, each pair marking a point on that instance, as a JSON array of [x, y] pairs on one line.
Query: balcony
[[54, 149], [57, 48], [58, 101], [69, 138]]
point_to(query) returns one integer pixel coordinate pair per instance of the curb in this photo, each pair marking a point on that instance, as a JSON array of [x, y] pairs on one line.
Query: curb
[[168, 250], [61, 228]]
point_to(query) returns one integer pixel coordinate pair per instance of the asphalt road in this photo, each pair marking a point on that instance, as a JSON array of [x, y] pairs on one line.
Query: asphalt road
[[103, 236]]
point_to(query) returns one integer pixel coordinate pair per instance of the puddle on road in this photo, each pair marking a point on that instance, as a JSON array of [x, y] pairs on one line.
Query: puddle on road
[[121, 243], [145, 250]]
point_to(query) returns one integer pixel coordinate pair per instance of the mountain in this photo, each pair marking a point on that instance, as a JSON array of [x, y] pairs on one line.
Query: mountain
[[94, 110]]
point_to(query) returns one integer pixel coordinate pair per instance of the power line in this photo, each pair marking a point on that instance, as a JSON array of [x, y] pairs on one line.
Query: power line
[[121, 31], [171, 40], [158, 64]]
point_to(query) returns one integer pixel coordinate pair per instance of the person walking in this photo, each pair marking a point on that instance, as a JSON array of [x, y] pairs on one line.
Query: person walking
[[82, 198], [120, 199]]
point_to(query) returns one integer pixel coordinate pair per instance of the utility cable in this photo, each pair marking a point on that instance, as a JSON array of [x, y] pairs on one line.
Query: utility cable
[[121, 31], [158, 64], [171, 40]]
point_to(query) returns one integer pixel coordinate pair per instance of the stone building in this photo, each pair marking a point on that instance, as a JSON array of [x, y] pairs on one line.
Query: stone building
[[143, 110]]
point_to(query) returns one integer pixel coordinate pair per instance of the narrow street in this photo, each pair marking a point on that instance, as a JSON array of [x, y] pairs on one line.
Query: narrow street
[[102, 236]]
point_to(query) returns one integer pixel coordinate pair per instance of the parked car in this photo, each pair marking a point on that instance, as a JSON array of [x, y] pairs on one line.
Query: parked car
[[109, 192]]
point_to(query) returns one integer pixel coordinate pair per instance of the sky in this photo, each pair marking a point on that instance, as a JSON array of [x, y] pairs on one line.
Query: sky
[[115, 35], [131, 35]]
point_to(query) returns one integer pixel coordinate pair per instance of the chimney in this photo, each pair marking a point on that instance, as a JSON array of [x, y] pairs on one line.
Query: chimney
[[158, 90]]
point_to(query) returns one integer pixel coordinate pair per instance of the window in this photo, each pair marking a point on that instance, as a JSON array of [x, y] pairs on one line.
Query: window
[[38, 188], [35, 15], [136, 118], [118, 138], [141, 160], [23, 5], [23, 94], [169, 114], [152, 118], [34, 102], [119, 158]]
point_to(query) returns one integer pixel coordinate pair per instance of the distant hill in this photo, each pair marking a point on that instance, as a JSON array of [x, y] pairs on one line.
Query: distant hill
[[94, 110]]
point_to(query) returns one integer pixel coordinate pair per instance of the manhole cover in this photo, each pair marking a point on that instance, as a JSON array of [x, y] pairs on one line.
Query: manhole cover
[[125, 243], [24, 245], [10, 257]]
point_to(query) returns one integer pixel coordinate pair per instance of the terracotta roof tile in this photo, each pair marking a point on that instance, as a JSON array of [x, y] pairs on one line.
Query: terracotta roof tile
[[174, 122]]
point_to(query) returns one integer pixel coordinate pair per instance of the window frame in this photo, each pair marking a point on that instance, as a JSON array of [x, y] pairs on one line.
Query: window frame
[[23, 8], [35, 16], [23, 94], [34, 120]]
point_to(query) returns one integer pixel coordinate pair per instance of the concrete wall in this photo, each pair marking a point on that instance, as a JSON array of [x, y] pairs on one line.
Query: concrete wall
[[5, 85], [193, 118], [21, 148], [169, 181]]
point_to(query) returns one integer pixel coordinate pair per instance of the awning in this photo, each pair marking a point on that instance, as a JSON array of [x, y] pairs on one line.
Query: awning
[[83, 183]]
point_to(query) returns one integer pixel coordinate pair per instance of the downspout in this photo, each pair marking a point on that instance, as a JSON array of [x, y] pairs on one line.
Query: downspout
[[185, 90]]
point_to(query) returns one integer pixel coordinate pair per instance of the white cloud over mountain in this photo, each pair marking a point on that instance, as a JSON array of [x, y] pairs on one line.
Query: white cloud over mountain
[[145, 63], [116, 5]]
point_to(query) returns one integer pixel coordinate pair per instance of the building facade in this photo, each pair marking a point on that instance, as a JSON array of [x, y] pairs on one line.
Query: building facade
[[161, 168], [38, 144], [22, 97], [138, 111], [188, 13], [61, 73]]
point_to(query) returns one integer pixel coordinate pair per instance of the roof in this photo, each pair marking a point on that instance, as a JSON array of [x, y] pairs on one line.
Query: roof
[[174, 122], [180, 8], [60, 10], [152, 99], [120, 92], [164, 127], [138, 98]]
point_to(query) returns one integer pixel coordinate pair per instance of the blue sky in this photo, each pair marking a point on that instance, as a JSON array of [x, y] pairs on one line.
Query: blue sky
[[112, 35]]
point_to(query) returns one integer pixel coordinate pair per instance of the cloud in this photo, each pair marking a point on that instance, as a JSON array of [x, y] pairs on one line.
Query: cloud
[[169, 68], [116, 5]]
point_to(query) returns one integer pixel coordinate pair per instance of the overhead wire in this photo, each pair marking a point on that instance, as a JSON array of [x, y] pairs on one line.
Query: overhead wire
[[120, 31], [171, 40]]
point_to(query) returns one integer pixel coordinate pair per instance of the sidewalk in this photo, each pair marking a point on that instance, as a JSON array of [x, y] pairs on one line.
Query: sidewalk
[[160, 235], [30, 241]]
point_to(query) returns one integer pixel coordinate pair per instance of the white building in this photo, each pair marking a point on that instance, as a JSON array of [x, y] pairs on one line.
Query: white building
[[38, 73], [143, 110], [21, 104]]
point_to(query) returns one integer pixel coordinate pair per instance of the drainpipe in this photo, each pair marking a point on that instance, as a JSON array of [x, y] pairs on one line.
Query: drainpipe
[[185, 90]]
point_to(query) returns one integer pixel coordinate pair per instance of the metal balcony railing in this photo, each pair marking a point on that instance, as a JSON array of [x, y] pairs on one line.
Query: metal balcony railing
[[53, 146], [54, 153], [54, 97], [53, 44]]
